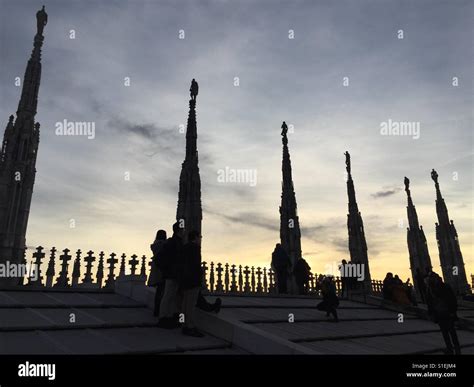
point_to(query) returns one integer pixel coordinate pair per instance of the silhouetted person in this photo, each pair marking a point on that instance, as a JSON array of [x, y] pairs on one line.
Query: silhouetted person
[[397, 280], [156, 277], [344, 280], [387, 286], [330, 301], [302, 273], [420, 283], [194, 90], [281, 264], [171, 258], [442, 307], [190, 279]]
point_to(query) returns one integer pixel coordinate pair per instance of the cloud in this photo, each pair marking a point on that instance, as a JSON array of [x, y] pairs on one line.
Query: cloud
[[249, 219], [386, 193]]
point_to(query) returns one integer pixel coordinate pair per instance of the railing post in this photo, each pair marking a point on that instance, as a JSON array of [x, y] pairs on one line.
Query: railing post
[[211, 278], [110, 282], [233, 286], [100, 270], [265, 281], [89, 260], [63, 279], [143, 268], [133, 264], [252, 279], [38, 256], [247, 283], [241, 280], [226, 278], [50, 272], [122, 265], [219, 287], [76, 272], [259, 280]]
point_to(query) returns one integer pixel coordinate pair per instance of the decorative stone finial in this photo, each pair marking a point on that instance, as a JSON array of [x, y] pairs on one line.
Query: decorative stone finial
[[434, 176]]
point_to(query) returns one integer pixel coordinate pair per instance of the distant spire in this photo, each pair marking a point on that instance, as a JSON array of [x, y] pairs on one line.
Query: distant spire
[[189, 207], [355, 227], [18, 157], [452, 262], [290, 234], [416, 240]]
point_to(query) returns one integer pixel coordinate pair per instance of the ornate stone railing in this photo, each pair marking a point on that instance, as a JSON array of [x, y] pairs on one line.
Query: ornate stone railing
[[100, 271]]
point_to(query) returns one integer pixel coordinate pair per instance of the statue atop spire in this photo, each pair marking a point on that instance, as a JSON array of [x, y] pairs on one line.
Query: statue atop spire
[[18, 158], [450, 256], [348, 162], [194, 90], [407, 185], [355, 227], [290, 234], [41, 20], [420, 261], [284, 131]]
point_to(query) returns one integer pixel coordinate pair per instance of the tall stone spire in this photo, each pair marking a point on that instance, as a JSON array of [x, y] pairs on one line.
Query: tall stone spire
[[290, 235], [416, 240], [18, 157], [189, 211], [450, 256], [355, 226]]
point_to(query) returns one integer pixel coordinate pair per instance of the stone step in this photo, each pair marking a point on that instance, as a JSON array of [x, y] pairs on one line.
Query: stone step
[[54, 318], [431, 342], [304, 314], [18, 299], [325, 330], [284, 302], [138, 340]]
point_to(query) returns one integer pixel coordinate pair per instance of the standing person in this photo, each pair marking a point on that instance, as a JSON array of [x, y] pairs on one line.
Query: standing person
[[190, 279], [387, 287], [344, 279], [171, 257], [281, 264], [442, 307], [420, 284], [330, 301], [156, 277], [302, 272]]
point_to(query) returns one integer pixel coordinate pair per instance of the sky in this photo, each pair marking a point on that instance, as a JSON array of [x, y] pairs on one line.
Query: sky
[[333, 70]]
